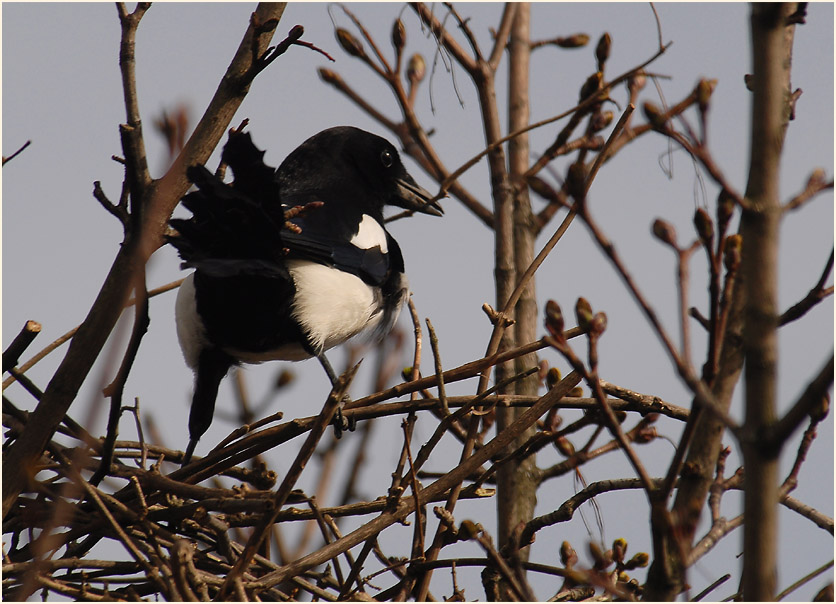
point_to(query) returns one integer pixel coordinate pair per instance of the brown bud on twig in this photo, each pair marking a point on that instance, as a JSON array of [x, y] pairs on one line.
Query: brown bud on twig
[[568, 555], [749, 81], [565, 446], [349, 43], [704, 226], [553, 377], [638, 81], [731, 252], [416, 68], [601, 120], [599, 324], [664, 232], [591, 86], [725, 209], [820, 411], [469, 529], [601, 559], [704, 90], [554, 319], [573, 41], [816, 179], [619, 549], [654, 115], [398, 35], [328, 76], [583, 313], [602, 51], [576, 180], [639, 560]]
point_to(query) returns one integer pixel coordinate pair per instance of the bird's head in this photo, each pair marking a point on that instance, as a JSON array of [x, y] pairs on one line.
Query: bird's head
[[350, 161]]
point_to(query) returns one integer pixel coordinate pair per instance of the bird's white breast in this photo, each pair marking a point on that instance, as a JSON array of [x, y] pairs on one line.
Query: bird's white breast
[[331, 305], [190, 330]]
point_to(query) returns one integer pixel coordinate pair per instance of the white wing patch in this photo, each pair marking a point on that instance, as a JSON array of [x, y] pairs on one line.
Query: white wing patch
[[370, 234]]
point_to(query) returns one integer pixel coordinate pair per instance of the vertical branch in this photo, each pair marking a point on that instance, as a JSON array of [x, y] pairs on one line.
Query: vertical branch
[[516, 484], [771, 51]]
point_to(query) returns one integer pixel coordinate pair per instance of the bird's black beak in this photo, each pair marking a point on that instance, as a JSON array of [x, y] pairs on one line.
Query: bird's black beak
[[412, 196]]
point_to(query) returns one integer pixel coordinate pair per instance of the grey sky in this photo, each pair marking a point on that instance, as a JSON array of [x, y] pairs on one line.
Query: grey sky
[[61, 89]]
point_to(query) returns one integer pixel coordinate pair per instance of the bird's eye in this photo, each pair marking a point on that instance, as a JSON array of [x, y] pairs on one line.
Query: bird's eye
[[386, 158]]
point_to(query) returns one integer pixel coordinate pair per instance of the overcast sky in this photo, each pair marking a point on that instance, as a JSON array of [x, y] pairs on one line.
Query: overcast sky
[[61, 90]]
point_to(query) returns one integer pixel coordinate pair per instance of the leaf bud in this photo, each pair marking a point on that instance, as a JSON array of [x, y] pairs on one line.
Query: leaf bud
[[601, 558], [637, 81], [568, 555], [654, 115], [619, 548], [819, 412], [725, 209], [583, 313], [328, 75], [591, 86], [553, 377], [645, 435], [704, 226], [554, 319], [398, 35], [816, 178], [349, 43], [704, 90], [731, 252], [577, 392], [602, 50], [601, 120], [416, 69], [573, 41], [639, 560], [576, 180], [664, 232], [407, 373], [565, 446], [469, 529], [599, 323], [284, 378], [749, 81]]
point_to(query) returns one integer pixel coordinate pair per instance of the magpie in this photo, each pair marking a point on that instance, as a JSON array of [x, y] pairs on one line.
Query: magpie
[[289, 262]]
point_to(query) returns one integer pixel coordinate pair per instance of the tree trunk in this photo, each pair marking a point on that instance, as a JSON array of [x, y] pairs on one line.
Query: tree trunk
[[516, 481]]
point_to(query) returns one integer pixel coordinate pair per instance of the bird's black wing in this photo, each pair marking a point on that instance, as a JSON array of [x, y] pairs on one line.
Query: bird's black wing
[[371, 265], [237, 228]]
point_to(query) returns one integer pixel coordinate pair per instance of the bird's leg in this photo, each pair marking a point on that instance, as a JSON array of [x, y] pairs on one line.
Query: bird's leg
[[340, 422]]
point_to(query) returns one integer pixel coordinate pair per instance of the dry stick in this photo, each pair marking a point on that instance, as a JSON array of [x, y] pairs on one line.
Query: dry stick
[[711, 588], [116, 389], [449, 480], [813, 297], [16, 153], [803, 580], [812, 396], [92, 492], [21, 342], [323, 420]]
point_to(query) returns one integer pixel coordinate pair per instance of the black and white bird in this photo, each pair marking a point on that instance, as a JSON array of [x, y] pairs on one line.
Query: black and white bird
[[290, 262]]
